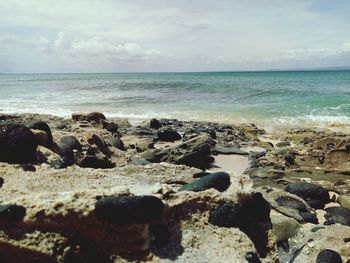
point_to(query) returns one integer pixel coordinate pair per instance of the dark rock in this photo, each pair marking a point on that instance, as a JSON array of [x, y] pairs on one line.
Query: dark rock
[[12, 212], [228, 150], [226, 215], [306, 141], [155, 124], [95, 162], [129, 209], [93, 116], [100, 143], [116, 143], [330, 146], [211, 132], [112, 127], [310, 192], [328, 256], [252, 257], [219, 181], [70, 142], [251, 215], [317, 228], [282, 144], [290, 202], [28, 167], [168, 135], [17, 144], [309, 217], [194, 152], [142, 131], [339, 215], [43, 126], [1, 181], [62, 162], [290, 159]]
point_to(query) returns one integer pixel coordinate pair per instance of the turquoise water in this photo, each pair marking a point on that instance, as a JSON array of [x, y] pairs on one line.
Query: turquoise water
[[320, 96]]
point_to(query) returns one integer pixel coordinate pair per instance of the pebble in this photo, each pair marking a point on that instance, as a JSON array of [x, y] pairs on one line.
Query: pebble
[[168, 135], [219, 181], [328, 256]]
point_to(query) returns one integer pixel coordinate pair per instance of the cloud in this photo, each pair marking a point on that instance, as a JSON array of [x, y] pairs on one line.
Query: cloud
[[157, 35]]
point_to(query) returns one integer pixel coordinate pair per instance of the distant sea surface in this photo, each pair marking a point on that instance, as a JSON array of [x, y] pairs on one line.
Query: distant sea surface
[[321, 97]]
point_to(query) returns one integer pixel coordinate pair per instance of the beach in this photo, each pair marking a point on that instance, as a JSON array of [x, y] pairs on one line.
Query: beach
[[96, 188]]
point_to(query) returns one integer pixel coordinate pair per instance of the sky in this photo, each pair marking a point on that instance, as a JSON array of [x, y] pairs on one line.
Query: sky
[[39, 36]]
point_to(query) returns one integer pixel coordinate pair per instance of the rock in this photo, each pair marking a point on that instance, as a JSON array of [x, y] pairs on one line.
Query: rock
[[252, 257], [290, 159], [194, 152], [1, 181], [100, 143], [111, 127], [42, 138], [12, 212], [309, 217], [69, 143], [155, 124], [43, 126], [168, 135], [328, 256], [95, 161], [116, 142], [284, 227], [339, 215], [228, 150], [129, 209], [17, 144], [282, 144], [316, 196], [142, 131], [136, 143], [344, 201], [226, 215], [290, 202], [219, 181], [28, 167], [251, 215], [93, 116]]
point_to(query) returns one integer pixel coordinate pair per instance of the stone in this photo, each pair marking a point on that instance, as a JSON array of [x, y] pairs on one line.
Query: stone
[[194, 152], [129, 209], [309, 217], [100, 143], [228, 150], [315, 195], [116, 142], [290, 159], [1, 181], [17, 144], [155, 124], [328, 256], [139, 161], [284, 227], [219, 181], [168, 135], [111, 127], [282, 144], [344, 201], [339, 215], [95, 161], [12, 212], [43, 126], [69, 143], [97, 117], [226, 215], [251, 215]]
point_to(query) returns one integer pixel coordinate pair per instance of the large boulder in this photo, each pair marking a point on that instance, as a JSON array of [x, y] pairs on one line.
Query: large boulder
[[194, 152], [168, 135], [17, 144]]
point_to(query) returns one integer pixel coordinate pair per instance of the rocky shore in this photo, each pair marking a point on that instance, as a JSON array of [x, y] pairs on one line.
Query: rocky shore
[[95, 189]]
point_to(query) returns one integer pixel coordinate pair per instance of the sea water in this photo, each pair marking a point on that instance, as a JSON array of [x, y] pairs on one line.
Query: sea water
[[269, 97]]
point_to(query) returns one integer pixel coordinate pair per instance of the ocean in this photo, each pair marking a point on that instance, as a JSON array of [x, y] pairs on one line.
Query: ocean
[[281, 97]]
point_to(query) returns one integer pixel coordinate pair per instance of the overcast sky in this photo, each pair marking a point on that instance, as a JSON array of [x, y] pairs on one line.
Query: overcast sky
[[172, 35]]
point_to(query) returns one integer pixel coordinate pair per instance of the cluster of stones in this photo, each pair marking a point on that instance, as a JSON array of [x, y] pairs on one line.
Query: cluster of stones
[[269, 216]]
